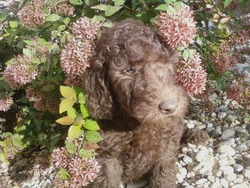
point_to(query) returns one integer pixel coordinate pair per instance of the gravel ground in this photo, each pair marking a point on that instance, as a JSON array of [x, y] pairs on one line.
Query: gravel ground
[[224, 162]]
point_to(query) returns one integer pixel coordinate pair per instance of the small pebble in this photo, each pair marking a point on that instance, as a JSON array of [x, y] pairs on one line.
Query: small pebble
[[228, 133]]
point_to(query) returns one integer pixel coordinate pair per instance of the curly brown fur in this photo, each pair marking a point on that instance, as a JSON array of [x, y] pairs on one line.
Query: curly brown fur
[[131, 90]]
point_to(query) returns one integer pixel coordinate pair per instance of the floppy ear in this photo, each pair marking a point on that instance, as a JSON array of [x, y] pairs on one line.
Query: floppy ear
[[99, 100]]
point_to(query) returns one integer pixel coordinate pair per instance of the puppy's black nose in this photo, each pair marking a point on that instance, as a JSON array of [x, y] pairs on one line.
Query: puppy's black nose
[[168, 106]]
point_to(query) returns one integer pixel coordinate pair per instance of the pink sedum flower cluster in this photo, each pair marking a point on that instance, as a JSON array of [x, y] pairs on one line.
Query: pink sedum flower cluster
[[5, 103], [191, 75], [60, 157], [64, 9], [20, 71], [85, 29], [82, 171], [32, 15], [77, 52], [75, 57], [224, 58], [178, 28]]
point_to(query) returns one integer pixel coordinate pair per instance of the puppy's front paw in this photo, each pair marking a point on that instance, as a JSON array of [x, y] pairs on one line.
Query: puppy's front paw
[[195, 136]]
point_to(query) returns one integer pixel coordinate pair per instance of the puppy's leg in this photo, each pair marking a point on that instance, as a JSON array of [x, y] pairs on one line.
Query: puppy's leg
[[110, 175], [164, 173], [194, 136]]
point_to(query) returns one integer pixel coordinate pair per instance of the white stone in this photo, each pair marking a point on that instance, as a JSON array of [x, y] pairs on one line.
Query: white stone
[[203, 167], [200, 181], [224, 182], [228, 133], [242, 185], [238, 181], [222, 115], [187, 159], [201, 154], [191, 124], [238, 167], [223, 161], [226, 149], [231, 160], [181, 175], [246, 172], [230, 177], [242, 147], [216, 184], [211, 178], [218, 173], [227, 169]]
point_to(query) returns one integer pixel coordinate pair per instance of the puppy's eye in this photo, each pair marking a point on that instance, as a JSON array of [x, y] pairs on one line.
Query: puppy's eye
[[130, 70]]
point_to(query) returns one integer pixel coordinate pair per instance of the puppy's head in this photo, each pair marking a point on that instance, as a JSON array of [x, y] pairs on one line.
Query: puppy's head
[[132, 68]]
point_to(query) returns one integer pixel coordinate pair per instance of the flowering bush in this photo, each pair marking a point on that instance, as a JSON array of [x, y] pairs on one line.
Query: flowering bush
[[46, 44], [176, 25]]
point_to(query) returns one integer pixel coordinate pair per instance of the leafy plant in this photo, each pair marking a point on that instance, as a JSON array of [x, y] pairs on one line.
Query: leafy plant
[[79, 122]]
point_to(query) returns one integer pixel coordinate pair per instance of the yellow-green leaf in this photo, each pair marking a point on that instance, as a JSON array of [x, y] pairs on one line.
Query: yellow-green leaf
[[66, 120], [66, 104], [84, 111], [91, 125], [87, 153], [52, 18], [71, 113], [93, 136], [67, 92], [81, 98], [79, 121], [13, 24], [4, 157], [74, 132]]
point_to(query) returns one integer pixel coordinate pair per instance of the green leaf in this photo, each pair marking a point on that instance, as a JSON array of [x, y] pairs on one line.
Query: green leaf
[[162, 7], [81, 98], [66, 120], [66, 20], [119, 2], [109, 10], [27, 52], [93, 136], [63, 174], [75, 2], [2, 143], [67, 92], [87, 153], [61, 27], [71, 113], [91, 125], [66, 104], [4, 157], [42, 41], [29, 42], [84, 111], [112, 10], [17, 141], [97, 18], [79, 121], [52, 18], [70, 147], [227, 2], [74, 132], [107, 24], [13, 24]]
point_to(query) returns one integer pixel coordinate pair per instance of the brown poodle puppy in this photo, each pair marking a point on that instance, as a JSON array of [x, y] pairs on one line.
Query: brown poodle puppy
[[132, 91]]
